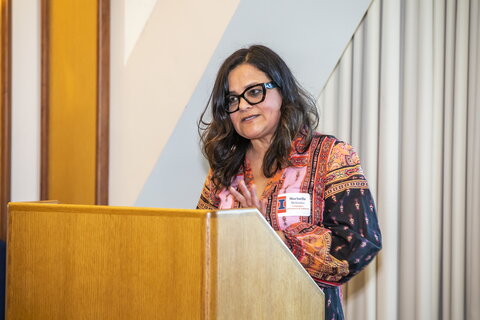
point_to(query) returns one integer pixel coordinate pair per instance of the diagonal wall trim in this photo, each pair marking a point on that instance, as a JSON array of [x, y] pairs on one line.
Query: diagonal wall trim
[[5, 117]]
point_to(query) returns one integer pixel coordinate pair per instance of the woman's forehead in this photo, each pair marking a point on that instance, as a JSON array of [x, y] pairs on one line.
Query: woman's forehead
[[245, 75]]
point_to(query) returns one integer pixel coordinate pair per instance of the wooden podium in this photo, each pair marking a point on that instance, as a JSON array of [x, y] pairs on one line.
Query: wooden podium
[[101, 262]]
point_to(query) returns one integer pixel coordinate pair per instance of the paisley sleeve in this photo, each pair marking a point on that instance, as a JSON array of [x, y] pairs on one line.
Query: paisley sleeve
[[349, 236], [208, 199]]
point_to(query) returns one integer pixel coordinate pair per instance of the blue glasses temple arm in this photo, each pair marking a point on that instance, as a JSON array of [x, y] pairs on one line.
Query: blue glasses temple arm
[[271, 85]]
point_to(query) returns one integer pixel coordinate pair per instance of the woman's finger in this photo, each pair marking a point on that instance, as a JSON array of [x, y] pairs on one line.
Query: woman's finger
[[242, 187], [258, 204], [253, 195], [247, 196], [238, 196]]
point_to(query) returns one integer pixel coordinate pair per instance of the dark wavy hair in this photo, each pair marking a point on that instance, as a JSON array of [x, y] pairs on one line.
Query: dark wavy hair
[[225, 149]]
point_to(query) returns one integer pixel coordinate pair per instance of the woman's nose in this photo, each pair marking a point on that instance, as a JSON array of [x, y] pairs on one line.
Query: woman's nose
[[243, 104]]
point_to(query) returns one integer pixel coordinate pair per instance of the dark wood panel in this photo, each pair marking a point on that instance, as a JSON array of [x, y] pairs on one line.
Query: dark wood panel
[[6, 111], [103, 111], [45, 43]]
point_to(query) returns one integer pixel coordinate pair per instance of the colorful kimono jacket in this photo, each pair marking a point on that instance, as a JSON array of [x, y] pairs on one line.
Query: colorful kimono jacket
[[341, 235]]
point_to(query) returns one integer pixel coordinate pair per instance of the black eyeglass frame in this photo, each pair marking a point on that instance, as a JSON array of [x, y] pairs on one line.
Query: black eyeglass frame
[[265, 86]]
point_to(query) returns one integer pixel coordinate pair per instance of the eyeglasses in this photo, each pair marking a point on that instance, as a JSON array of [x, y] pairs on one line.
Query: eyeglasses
[[253, 95]]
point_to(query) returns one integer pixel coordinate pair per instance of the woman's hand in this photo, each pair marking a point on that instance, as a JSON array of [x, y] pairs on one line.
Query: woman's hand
[[247, 197]]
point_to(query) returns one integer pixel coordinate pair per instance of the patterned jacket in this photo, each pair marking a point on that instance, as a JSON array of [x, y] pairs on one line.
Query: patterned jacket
[[341, 235]]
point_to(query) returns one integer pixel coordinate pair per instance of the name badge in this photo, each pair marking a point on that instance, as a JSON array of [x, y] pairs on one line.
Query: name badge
[[293, 205]]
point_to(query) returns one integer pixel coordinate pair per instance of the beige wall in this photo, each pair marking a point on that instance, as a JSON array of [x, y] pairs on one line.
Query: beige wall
[[154, 73]]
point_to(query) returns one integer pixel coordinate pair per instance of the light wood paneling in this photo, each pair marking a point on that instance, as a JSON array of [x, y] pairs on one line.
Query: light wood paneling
[[75, 98], [266, 273], [5, 112], [87, 262], [73, 104]]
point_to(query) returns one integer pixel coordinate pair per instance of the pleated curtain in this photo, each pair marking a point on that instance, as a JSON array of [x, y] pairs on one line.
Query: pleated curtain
[[406, 95]]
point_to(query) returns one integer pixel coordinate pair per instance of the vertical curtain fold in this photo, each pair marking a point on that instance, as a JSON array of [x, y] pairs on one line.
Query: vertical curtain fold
[[473, 168], [424, 161], [344, 117], [458, 188], [438, 151], [446, 235], [388, 200], [408, 171]]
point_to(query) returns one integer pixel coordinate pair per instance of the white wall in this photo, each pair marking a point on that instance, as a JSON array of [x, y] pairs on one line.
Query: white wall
[[25, 100]]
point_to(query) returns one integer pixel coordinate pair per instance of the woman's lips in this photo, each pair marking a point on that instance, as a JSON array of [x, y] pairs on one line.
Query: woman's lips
[[250, 117]]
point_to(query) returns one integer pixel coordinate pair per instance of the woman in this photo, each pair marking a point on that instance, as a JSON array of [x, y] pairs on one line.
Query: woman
[[263, 152]]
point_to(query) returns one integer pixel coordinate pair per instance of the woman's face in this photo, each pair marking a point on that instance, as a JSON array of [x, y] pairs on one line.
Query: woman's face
[[258, 122]]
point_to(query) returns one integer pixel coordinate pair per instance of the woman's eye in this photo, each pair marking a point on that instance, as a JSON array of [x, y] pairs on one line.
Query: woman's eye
[[254, 92], [232, 100]]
